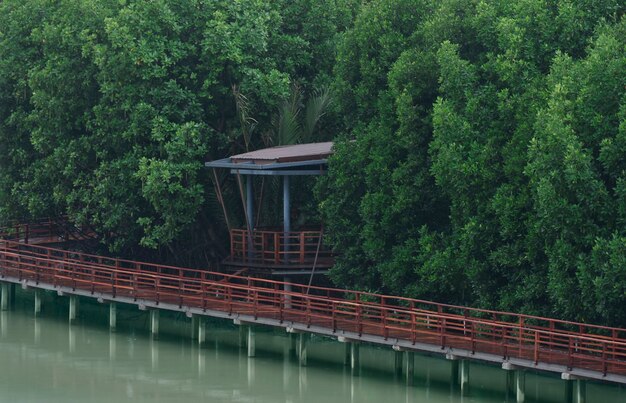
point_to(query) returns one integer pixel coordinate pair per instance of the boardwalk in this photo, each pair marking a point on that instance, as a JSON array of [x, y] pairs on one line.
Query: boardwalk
[[520, 341]]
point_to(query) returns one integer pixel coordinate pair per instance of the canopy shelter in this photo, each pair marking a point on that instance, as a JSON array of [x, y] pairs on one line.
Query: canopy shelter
[[284, 252]]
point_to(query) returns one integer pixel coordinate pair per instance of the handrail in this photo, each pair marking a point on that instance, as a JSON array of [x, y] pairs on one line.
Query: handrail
[[507, 334], [273, 247]]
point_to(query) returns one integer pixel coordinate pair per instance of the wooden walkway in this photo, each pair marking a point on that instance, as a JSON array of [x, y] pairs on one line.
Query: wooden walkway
[[574, 349]]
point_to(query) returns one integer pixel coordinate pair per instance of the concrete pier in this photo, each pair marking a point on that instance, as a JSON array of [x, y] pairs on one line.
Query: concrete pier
[[516, 381], [454, 371], [464, 376], [112, 316], [293, 342], [575, 389], [520, 386], [410, 367], [201, 330], [193, 328], [73, 310], [303, 339], [154, 323], [38, 298], [251, 341], [355, 361], [397, 363], [7, 297]]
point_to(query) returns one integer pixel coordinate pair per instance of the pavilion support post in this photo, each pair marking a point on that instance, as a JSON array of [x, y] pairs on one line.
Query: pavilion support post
[[154, 323], [286, 218], [287, 288], [397, 359], [113, 316], [73, 311], [410, 367], [38, 298], [303, 339], [251, 341], [250, 214]]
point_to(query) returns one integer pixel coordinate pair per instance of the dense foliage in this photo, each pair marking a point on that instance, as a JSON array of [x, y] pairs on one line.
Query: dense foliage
[[481, 144], [489, 161], [109, 108]]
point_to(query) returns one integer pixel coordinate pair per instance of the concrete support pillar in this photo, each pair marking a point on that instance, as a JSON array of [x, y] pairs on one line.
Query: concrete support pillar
[[38, 298], [510, 389], [251, 342], [4, 323], [580, 391], [243, 336], [355, 362], [194, 328], [397, 363], [347, 354], [454, 372], [201, 323], [293, 342], [73, 311], [464, 377], [410, 367], [112, 316], [5, 297], [520, 386], [303, 339], [154, 323]]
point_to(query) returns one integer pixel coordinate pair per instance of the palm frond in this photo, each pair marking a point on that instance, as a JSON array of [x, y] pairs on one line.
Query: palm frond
[[316, 107]]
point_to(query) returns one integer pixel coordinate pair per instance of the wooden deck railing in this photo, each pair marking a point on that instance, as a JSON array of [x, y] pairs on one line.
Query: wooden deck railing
[[277, 248], [540, 340]]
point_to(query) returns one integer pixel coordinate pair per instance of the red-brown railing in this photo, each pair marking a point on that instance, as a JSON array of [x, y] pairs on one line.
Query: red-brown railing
[[277, 248], [540, 340]]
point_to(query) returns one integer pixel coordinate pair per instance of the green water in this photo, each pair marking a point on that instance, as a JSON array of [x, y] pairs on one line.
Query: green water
[[44, 359]]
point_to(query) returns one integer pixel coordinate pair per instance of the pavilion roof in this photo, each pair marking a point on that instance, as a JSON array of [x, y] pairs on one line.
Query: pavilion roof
[[297, 159]]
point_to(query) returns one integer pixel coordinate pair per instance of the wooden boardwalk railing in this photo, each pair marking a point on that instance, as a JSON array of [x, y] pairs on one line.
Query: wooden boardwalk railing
[[295, 249], [599, 349]]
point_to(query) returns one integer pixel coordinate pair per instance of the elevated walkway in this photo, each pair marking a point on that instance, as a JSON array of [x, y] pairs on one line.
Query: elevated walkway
[[513, 340]]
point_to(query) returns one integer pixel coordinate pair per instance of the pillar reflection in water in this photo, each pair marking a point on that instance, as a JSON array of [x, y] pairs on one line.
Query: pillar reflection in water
[[112, 346], [302, 381], [154, 354], [71, 335], [4, 323], [251, 372], [287, 365], [37, 331], [201, 362]]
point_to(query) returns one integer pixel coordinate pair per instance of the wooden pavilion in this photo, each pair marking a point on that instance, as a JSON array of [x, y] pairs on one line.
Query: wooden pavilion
[[282, 250]]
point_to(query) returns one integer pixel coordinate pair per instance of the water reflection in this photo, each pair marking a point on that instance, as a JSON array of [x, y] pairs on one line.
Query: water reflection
[[45, 359]]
